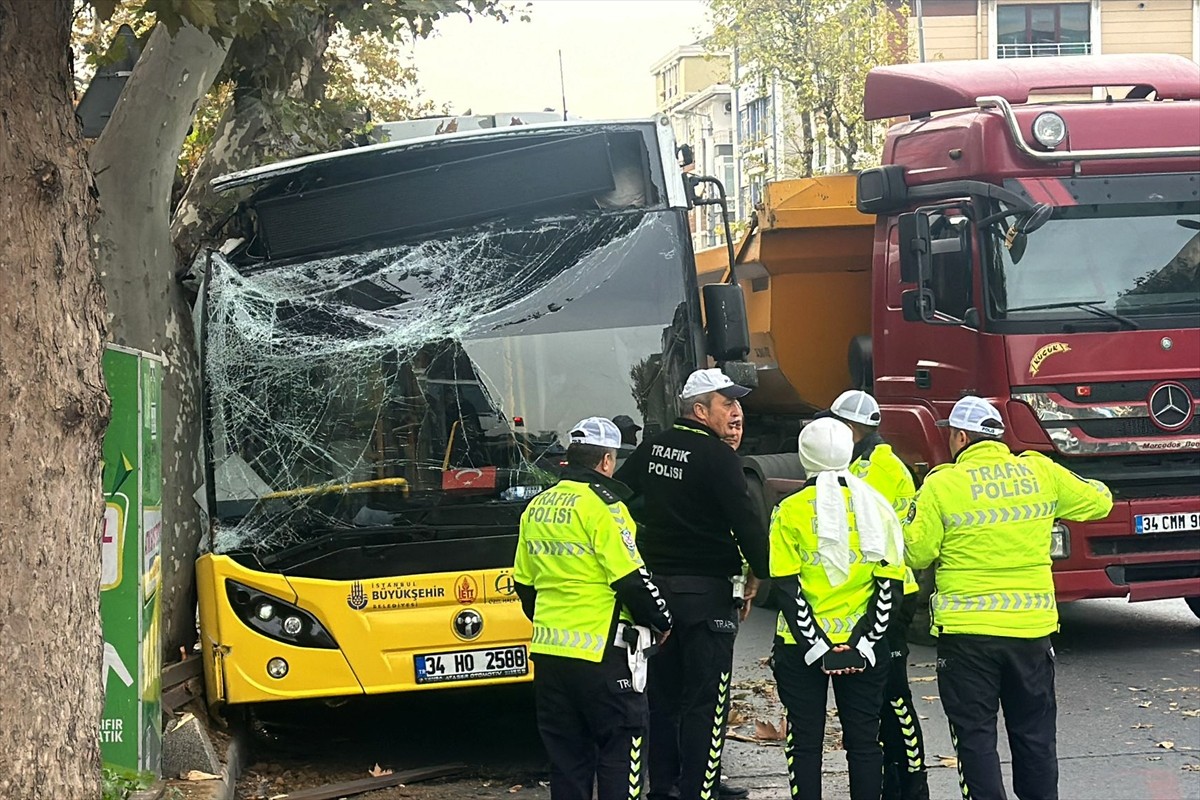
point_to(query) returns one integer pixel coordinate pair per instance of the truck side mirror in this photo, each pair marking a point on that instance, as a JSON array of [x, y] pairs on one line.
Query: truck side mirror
[[916, 305], [915, 247], [728, 328]]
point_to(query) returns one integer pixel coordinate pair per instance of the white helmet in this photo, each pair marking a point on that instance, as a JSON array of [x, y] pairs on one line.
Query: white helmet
[[825, 444], [856, 406]]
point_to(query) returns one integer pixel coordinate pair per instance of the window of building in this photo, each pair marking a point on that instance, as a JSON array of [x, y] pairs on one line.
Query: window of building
[[1044, 29], [754, 119], [671, 81]]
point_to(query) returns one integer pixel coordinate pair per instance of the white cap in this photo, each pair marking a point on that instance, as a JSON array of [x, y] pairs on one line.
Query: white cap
[[856, 406], [976, 415], [825, 444], [598, 431], [703, 381]]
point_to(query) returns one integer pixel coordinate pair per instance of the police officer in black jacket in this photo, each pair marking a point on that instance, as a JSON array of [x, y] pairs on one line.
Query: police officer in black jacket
[[694, 494]]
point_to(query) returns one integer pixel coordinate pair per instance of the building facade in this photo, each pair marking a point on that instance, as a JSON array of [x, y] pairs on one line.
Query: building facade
[[970, 29], [692, 90]]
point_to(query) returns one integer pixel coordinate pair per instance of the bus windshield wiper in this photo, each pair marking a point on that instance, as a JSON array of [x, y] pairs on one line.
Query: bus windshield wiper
[[1092, 306]]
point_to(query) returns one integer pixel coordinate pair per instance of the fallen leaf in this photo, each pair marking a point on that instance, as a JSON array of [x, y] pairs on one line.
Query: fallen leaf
[[1191, 712], [923, 679], [1144, 705], [1154, 758], [768, 732], [929, 665], [1191, 767], [930, 698], [515, 789], [1140, 726], [198, 775], [376, 772], [736, 717], [949, 761], [1137, 688], [1167, 745], [922, 716]]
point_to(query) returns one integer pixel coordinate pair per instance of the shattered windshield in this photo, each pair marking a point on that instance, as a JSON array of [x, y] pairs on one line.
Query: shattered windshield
[[359, 392], [1137, 260]]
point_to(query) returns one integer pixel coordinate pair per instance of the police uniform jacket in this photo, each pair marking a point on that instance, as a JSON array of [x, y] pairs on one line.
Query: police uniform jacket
[[694, 493], [987, 519], [578, 571]]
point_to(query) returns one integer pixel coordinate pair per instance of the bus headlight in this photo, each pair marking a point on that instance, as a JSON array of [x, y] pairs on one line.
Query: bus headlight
[[277, 668], [1049, 129], [277, 619], [1060, 542]]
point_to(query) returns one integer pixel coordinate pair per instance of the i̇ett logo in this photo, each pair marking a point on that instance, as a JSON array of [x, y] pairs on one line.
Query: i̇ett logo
[[466, 589]]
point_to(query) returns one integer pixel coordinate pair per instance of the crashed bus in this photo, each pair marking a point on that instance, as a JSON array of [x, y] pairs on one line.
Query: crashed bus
[[394, 348]]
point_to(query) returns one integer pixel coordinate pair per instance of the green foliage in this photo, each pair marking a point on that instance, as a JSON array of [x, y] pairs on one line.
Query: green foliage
[[821, 51], [117, 783]]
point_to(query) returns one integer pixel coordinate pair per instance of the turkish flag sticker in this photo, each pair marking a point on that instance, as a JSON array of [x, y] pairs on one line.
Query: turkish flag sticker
[[462, 479]]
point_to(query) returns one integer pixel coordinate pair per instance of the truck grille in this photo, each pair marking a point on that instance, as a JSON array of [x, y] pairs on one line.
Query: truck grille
[[1121, 392], [1129, 427], [1140, 476], [1134, 545]]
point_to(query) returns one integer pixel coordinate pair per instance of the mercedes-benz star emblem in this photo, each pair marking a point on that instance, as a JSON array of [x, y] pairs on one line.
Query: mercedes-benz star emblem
[[468, 624], [1166, 343], [1171, 406]]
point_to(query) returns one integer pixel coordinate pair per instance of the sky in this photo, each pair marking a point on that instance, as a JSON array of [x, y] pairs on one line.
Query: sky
[[607, 47]]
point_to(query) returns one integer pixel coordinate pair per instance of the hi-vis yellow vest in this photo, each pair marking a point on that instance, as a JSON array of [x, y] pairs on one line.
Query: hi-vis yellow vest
[[572, 547], [883, 471], [837, 609], [986, 519]]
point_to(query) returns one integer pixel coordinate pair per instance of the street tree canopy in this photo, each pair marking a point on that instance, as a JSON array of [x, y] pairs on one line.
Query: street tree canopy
[[821, 51]]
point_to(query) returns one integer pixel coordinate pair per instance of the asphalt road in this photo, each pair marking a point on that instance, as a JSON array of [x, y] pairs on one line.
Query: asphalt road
[[1127, 675]]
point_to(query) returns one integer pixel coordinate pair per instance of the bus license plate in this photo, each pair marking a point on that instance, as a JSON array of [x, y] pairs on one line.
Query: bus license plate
[[472, 665], [1167, 523]]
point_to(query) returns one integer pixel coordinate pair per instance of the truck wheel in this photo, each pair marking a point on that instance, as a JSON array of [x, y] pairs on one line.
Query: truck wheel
[[762, 599], [1193, 604]]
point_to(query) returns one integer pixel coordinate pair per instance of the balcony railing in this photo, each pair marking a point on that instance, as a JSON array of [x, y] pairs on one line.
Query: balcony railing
[[1028, 50]]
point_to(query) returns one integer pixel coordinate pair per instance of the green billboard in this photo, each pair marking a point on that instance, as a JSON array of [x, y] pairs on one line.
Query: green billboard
[[130, 565]]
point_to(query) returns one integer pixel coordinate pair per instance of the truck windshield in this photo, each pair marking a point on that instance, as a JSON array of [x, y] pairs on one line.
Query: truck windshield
[[380, 391], [1126, 261]]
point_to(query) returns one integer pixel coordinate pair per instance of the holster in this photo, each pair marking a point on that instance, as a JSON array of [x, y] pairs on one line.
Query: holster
[[639, 646]]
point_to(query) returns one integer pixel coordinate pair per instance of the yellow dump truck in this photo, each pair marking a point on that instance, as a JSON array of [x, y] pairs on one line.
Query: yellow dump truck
[[805, 269]]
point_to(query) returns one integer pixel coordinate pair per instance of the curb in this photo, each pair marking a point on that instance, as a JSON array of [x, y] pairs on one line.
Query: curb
[[225, 787]]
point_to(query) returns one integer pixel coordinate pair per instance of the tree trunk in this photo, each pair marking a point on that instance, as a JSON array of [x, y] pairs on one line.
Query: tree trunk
[[134, 162], [809, 151], [56, 409]]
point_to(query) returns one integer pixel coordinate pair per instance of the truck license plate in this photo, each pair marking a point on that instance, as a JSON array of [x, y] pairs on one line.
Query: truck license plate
[[1167, 523], [472, 665]]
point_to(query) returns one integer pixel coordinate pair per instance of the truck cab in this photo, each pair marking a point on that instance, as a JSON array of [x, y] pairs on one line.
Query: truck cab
[[1037, 243]]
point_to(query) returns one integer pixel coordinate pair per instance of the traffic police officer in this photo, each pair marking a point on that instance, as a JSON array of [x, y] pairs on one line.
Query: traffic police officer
[[876, 463], [837, 565], [986, 518], [695, 494], [583, 584]]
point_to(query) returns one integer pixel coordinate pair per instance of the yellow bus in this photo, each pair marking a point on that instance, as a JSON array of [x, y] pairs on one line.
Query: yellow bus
[[395, 343]]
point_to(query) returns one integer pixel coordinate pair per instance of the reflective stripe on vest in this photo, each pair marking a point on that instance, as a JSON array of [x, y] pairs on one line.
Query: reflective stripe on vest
[[548, 548], [838, 624], [561, 637], [814, 557], [998, 601], [992, 516]]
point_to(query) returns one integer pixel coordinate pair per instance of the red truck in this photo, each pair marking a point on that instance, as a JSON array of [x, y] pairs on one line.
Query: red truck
[[1037, 242]]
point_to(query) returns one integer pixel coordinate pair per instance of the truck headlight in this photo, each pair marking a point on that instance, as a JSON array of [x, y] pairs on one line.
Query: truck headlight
[[1049, 129], [1060, 542]]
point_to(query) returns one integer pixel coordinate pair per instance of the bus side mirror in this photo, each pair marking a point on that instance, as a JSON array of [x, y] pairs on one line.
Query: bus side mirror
[[728, 328], [915, 247]]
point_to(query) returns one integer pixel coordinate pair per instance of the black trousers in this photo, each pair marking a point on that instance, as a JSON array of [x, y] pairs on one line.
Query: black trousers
[[904, 776], [592, 725], [803, 690], [977, 675], [689, 687]]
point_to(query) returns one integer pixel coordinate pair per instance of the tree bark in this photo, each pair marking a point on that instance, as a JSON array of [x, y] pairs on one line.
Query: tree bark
[[134, 162], [56, 409]]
